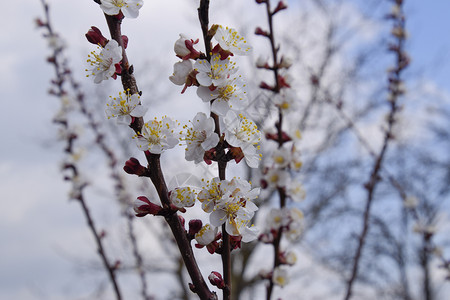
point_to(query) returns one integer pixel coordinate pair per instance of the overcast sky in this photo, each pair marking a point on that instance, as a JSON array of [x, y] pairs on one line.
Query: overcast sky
[[41, 233]]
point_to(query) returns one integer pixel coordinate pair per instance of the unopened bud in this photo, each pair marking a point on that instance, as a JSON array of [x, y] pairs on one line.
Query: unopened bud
[[95, 36], [195, 226], [182, 221], [216, 279], [40, 23], [283, 82], [281, 5], [285, 62], [265, 86], [143, 207], [124, 41], [259, 31], [184, 48], [134, 167]]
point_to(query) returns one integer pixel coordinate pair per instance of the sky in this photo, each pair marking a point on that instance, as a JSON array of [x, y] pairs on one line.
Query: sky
[[43, 235]]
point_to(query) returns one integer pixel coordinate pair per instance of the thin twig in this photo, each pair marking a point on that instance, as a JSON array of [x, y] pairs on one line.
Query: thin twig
[[62, 72], [395, 91]]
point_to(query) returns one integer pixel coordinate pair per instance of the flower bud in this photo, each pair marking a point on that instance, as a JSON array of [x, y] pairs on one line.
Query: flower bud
[[265, 86], [283, 81], [289, 258], [259, 31], [180, 47], [184, 48], [216, 279], [124, 41], [95, 36], [182, 221], [143, 207], [281, 5], [285, 62], [195, 226], [262, 63], [133, 167]]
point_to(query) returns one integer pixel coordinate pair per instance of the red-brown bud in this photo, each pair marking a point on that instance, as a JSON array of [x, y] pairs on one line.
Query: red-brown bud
[[133, 167], [95, 36], [216, 279], [281, 5], [282, 82], [265, 86], [143, 207], [195, 226], [259, 31], [182, 221]]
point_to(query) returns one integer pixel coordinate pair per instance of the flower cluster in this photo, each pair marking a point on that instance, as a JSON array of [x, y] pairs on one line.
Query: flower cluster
[[288, 221], [218, 83], [230, 203], [125, 107]]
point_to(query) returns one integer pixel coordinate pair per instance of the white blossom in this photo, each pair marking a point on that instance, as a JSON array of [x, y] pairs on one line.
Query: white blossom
[[242, 132], [180, 46], [277, 178], [281, 157], [181, 72], [124, 107], [215, 73], [286, 100], [199, 137], [295, 191], [277, 218], [296, 161], [183, 197], [280, 276], [291, 258], [231, 95], [230, 40], [129, 8], [411, 202], [206, 235], [230, 203], [157, 136], [103, 64]]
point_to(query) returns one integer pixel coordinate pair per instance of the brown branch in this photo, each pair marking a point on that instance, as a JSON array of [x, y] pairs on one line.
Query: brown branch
[[156, 175], [278, 125], [203, 15]]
